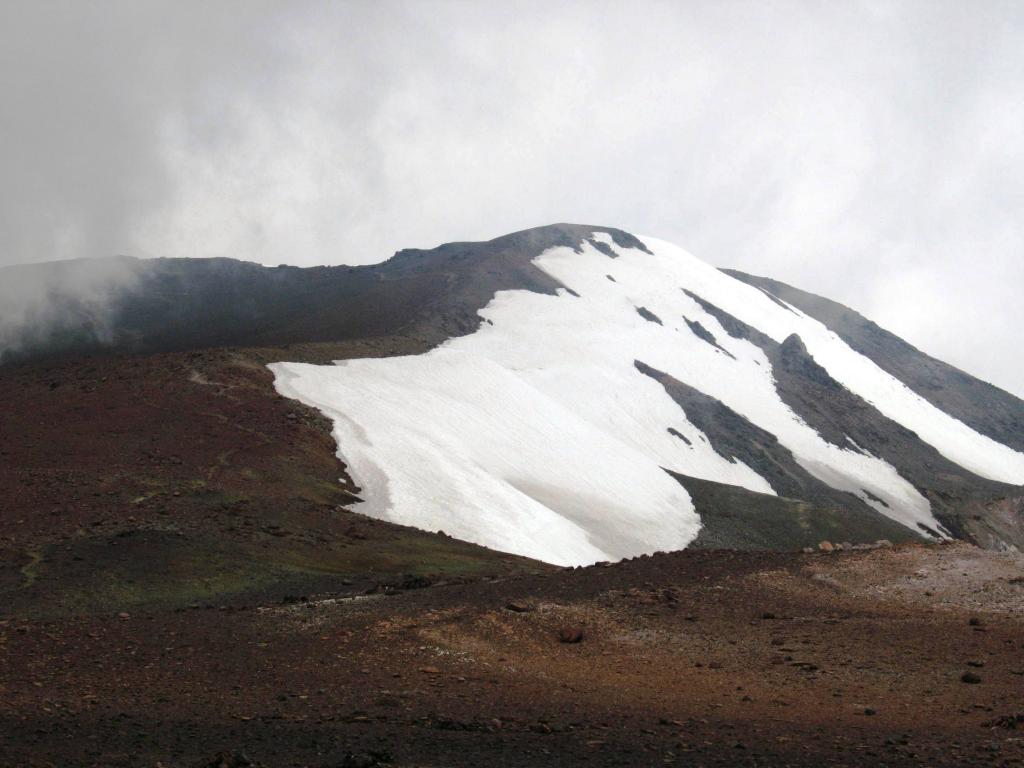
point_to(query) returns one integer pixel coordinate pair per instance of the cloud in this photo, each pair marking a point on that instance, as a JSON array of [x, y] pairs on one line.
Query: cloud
[[867, 151], [62, 300]]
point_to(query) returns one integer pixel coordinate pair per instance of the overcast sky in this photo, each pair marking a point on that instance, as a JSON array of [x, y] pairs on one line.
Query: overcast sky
[[869, 151]]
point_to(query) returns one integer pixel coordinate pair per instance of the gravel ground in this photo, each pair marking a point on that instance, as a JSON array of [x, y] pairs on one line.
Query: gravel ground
[[691, 658]]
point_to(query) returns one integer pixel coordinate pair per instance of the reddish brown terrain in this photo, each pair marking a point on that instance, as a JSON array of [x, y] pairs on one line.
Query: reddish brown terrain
[[695, 658], [183, 584], [170, 480]]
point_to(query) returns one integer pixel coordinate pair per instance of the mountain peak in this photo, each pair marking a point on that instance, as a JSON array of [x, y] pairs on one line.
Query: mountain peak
[[576, 393]]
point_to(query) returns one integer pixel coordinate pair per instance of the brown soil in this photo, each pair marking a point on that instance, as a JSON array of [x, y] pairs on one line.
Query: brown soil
[[693, 658], [177, 479]]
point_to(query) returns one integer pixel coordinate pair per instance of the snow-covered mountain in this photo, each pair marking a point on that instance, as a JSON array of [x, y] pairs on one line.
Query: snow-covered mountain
[[569, 425], [577, 393]]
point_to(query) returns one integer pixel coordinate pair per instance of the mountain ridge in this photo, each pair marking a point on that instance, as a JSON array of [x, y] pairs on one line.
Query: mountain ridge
[[837, 416], [423, 300], [980, 404]]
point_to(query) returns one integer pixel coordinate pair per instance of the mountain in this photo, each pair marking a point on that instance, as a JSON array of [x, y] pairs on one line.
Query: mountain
[[578, 393], [186, 578]]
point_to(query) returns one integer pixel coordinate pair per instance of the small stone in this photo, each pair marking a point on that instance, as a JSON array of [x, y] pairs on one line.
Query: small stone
[[364, 760], [517, 607], [228, 760], [430, 670], [570, 635], [826, 546], [974, 621], [970, 678]]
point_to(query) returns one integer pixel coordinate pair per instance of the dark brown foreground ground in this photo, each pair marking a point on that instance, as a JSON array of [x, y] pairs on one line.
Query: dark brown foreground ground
[[695, 658], [162, 519]]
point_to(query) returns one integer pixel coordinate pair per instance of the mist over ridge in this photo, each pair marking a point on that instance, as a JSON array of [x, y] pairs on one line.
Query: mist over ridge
[[869, 152]]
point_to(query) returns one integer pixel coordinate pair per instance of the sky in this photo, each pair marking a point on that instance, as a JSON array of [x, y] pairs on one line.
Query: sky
[[872, 152]]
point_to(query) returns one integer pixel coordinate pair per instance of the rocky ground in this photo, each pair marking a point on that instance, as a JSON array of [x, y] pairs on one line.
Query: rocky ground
[[897, 656], [183, 582]]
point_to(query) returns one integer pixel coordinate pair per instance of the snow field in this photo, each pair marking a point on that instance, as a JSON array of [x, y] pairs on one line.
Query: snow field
[[537, 435]]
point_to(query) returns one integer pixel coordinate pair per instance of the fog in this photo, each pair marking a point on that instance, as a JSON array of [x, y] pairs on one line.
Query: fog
[[872, 152]]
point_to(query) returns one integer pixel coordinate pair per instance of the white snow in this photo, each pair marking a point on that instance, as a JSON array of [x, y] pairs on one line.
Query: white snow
[[455, 441], [949, 436], [537, 435]]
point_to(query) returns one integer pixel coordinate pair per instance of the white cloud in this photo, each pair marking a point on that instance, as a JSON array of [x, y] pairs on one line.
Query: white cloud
[[870, 152]]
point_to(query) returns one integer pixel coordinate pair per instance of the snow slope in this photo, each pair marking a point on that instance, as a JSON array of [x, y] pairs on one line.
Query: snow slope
[[537, 435]]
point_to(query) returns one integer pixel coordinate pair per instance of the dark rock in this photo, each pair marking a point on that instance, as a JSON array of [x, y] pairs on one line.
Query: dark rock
[[970, 678], [226, 760], [412, 581], [364, 759], [570, 635], [649, 316], [705, 335], [1010, 722], [604, 248]]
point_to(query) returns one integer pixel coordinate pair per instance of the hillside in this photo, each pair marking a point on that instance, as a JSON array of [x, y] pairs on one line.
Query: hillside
[[199, 571], [571, 379], [562, 427]]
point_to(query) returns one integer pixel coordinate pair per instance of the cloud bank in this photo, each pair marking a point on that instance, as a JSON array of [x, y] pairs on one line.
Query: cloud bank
[[871, 151]]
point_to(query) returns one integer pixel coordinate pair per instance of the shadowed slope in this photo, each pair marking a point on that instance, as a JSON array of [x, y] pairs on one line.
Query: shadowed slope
[[982, 406], [423, 296]]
